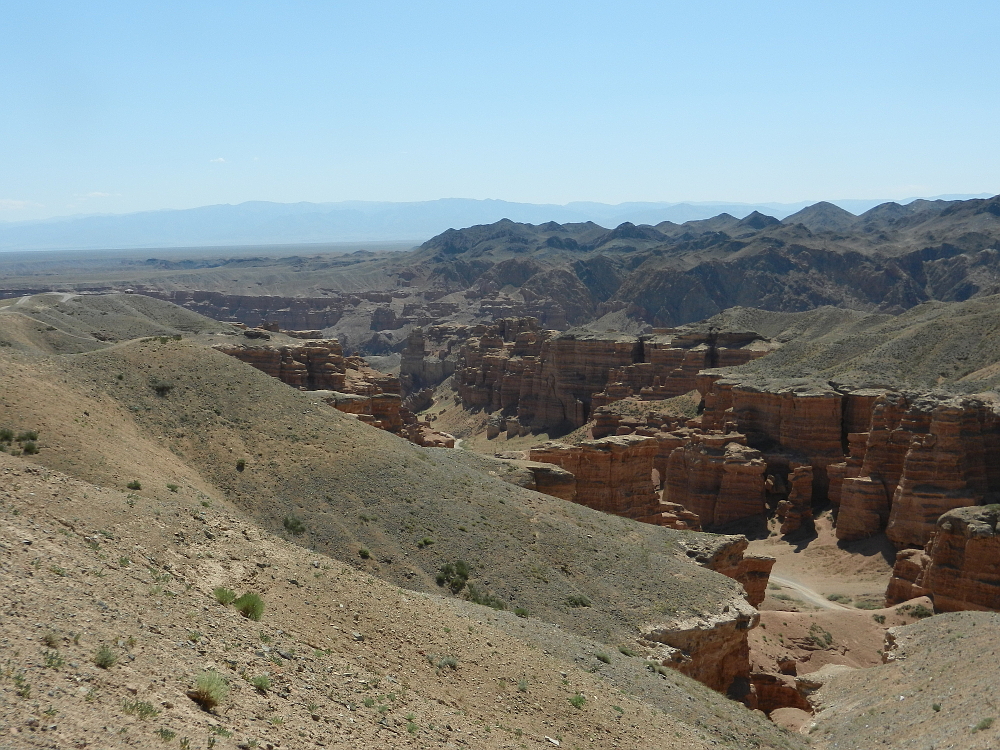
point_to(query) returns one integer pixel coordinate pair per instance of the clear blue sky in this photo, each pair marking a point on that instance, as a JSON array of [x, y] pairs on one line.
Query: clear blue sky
[[125, 106]]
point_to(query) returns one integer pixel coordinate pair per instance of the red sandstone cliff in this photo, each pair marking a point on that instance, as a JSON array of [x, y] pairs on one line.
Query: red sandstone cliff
[[960, 566]]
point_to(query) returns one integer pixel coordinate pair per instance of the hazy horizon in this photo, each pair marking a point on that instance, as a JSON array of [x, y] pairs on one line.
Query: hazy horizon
[[114, 108]]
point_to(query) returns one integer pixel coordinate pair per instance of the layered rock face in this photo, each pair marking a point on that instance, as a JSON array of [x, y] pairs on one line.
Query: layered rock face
[[710, 649], [960, 566], [355, 387], [613, 474], [294, 313], [316, 365], [727, 557], [908, 458], [716, 476], [428, 358], [551, 380]]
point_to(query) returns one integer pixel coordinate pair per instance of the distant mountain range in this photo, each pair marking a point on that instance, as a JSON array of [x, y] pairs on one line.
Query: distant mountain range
[[264, 223]]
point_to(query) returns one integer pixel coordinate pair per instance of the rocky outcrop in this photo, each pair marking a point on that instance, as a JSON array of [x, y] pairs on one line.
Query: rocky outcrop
[[316, 365], [427, 360], [727, 556], [795, 512], [558, 380], [960, 566], [712, 649], [613, 474], [354, 387], [295, 313], [716, 476]]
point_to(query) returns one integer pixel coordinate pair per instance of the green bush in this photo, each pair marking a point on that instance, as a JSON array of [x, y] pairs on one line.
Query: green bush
[[484, 598], [224, 595], [29, 447], [26, 436], [364, 553], [577, 701], [880, 619], [602, 657], [105, 658], [578, 600], [6, 436], [135, 484], [250, 605], [261, 682], [161, 387], [294, 525], [210, 689], [454, 575], [241, 465], [521, 612]]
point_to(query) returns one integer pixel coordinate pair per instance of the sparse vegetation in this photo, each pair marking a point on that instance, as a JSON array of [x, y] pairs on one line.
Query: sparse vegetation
[[578, 600], [105, 658], [914, 610], [627, 651], [261, 682], [577, 701], [224, 596], [454, 575], [135, 484], [210, 690], [602, 657], [820, 636], [842, 598], [294, 525], [241, 464], [173, 487], [521, 612], [880, 619], [250, 605], [364, 553], [474, 595], [141, 709], [984, 724], [160, 387]]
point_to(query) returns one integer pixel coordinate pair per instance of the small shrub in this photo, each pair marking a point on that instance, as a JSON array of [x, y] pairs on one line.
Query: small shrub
[[484, 598], [6, 436], [165, 734], [578, 600], [135, 484], [936, 707], [173, 487], [27, 436], [105, 658], [627, 651], [522, 685], [983, 725], [364, 553], [577, 701], [842, 598], [449, 662], [224, 596], [603, 657], [139, 708], [261, 682], [880, 619], [53, 659], [51, 639], [454, 575], [294, 525], [161, 387], [425, 542], [250, 605], [369, 702], [210, 689], [241, 465], [29, 448], [521, 612]]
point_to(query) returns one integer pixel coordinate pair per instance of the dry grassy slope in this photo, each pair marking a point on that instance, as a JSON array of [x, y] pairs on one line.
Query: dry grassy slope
[[353, 486], [353, 661], [949, 661], [68, 324], [937, 344]]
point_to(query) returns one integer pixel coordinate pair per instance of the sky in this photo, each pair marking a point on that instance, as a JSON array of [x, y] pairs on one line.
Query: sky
[[112, 107]]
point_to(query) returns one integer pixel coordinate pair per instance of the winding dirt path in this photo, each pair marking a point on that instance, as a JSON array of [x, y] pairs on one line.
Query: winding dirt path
[[810, 595]]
